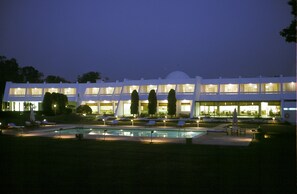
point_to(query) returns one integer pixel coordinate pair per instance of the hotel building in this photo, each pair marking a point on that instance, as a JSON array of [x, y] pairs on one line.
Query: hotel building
[[265, 97]]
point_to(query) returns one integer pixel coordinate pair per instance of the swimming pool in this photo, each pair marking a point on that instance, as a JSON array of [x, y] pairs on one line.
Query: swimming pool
[[132, 132]]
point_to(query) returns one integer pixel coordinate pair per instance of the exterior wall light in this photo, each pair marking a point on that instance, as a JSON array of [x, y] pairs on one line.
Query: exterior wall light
[[132, 121]]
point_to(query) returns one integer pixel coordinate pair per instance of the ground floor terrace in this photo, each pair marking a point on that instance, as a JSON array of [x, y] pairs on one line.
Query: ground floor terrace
[[184, 108]]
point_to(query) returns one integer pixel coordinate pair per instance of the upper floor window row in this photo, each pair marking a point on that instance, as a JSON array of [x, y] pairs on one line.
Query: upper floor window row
[[103, 91], [249, 88], [40, 91]]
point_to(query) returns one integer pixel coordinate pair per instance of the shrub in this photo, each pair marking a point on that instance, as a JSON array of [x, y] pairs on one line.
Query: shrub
[[84, 109]]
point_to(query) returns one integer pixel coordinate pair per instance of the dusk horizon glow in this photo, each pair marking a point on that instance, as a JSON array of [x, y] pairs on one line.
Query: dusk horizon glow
[[148, 39]]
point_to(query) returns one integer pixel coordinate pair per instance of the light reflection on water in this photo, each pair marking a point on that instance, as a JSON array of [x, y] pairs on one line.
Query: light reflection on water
[[134, 132]]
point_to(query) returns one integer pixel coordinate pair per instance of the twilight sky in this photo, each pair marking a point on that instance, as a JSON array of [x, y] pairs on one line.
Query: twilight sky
[[148, 38]]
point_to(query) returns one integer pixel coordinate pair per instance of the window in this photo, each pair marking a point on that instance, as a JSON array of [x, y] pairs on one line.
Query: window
[[129, 89], [17, 91], [209, 88], [68, 91], [147, 88], [229, 88], [34, 91], [51, 90], [289, 87], [106, 107], [118, 90], [271, 87], [106, 91], [185, 88], [165, 88], [185, 107], [92, 91], [249, 88]]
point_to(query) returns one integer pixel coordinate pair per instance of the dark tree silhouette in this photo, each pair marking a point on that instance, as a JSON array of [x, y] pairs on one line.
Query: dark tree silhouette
[[289, 33], [89, 77], [47, 104], [30, 74], [171, 106], [54, 103], [134, 102], [152, 102], [84, 109], [9, 71], [55, 79]]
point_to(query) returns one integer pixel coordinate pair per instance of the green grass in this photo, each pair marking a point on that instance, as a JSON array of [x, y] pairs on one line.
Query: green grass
[[45, 165]]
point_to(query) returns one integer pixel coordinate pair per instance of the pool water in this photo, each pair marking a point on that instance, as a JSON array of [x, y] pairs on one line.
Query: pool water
[[133, 132]]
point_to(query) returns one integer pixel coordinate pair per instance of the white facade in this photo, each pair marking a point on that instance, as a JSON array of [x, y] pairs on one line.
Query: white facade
[[252, 97]]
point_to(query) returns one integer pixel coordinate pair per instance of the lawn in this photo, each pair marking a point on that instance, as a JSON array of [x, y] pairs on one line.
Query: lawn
[[45, 165]]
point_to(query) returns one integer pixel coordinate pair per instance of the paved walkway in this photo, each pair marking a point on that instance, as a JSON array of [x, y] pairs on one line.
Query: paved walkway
[[216, 137]]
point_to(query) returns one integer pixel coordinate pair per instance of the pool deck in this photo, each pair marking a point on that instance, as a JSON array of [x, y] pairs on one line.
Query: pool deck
[[215, 136]]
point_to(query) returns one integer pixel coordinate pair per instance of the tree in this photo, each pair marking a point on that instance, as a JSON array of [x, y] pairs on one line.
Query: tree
[[134, 102], [54, 103], [47, 104], [171, 106], [89, 77], [152, 102], [55, 79], [84, 109], [289, 33], [9, 72], [30, 74]]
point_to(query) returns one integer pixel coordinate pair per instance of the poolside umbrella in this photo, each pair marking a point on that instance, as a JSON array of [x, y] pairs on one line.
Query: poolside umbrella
[[32, 115]]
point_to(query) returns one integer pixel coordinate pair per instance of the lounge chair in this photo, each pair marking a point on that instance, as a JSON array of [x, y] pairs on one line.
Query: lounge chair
[[32, 123], [150, 123], [44, 122], [14, 126], [114, 122], [181, 123]]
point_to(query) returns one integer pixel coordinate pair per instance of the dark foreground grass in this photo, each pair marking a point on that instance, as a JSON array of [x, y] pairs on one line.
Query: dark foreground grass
[[44, 165]]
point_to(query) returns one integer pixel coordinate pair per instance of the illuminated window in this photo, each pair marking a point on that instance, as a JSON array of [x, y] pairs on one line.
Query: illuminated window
[[34, 91], [147, 88], [92, 91], [270, 87], [208, 108], [185, 107], [117, 90], [229, 88], [17, 91], [249, 88], [106, 91], [68, 91], [162, 108], [129, 89], [166, 88], [209, 88], [106, 107], [52, 90], [289, 87], [185, 88]]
